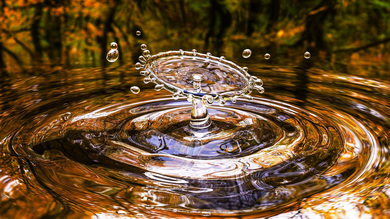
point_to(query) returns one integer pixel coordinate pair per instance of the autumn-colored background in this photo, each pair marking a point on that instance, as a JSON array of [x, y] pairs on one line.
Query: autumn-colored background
[[347, 35]]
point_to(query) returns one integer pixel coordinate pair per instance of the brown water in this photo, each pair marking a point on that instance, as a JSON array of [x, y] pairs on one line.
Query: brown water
[[318, 148]]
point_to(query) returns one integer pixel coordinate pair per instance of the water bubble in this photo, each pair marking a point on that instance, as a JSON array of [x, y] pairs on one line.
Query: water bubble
[[144, 46], [194, 52], [245, 68], [158, 87], [267, 56], [144, 73], [221, 58], [138, 33], [142, 59], [146, 52], [113, 45], [112, 55], [138, 66], [246, 53], [208, 55], [307, 55], [181, 52], [176, 95], [208, 99], [134, 89]]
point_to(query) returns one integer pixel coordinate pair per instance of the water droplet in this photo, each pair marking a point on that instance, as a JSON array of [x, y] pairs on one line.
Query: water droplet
[[158, 87], [146, 52], [138, 33], [144, 73], [233, 99], [194, 52], [134, 89], [190, 98], [267, 56], [144, 46], [114, 45], [245, 68], [181, 52], [258, 82], [208, 55], [221, 58], [246, 53], [147, 80], [142, 59], [248, 97], [176, 95], [112, 55], [138, 66], [307, 55], [208, 99], [260, 90]]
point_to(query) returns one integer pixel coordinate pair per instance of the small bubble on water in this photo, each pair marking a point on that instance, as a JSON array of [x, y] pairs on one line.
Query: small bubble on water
[[194, 52], [112, 55], [267, 56], [146, 52], [138, 66], [158, 87], [259, 89], [138, 33], [144, 46], [135, 89], [246, 53], [208, 99], [233, 99], [113, 45], [307, 55]]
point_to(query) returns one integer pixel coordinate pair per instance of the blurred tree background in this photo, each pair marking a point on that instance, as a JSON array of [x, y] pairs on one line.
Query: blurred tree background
[[346, 35]]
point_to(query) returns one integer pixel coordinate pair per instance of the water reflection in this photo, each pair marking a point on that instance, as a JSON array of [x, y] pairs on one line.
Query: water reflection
[[65, 150]]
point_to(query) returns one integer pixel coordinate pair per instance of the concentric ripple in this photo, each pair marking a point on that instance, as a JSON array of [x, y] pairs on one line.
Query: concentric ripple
[[140, 158]]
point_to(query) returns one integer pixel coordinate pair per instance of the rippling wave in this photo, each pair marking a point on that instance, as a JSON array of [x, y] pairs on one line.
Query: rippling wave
[[316, 143]]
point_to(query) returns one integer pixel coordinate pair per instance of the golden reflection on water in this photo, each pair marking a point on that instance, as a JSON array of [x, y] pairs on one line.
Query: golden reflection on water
[[57, 183]]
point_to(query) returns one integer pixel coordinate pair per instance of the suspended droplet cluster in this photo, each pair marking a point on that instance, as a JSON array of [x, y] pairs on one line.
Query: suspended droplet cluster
[[113, 54]]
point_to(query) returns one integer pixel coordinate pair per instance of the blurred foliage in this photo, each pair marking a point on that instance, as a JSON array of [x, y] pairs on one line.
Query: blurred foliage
[[72, 33]]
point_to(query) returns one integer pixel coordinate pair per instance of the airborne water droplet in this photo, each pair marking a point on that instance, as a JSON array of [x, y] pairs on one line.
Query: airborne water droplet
[[267, 56], [181, 52], [113, 45], [138, 33], [144, 46], [112, 55], [134, 89], [142, 59], [138, 66], [146, 52], [246, 53], [194, 52], [147, 80], [307, 55]]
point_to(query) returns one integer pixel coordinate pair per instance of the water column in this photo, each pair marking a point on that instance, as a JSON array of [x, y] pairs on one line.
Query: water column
[[199, 116]]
